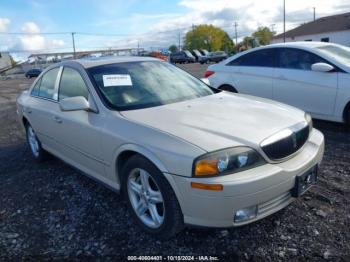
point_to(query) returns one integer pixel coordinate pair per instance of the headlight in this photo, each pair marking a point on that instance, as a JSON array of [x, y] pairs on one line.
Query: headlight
[[226, 161], [308, 119]]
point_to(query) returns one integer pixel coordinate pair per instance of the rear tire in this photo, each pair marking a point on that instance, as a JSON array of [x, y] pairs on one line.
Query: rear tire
[[228, 88], [150, 198], [37, 152], [347, 117]]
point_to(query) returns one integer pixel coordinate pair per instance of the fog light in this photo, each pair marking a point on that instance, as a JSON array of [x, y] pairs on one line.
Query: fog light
[[244, 214]]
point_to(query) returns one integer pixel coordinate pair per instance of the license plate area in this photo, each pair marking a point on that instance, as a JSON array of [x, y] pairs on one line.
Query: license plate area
[[305, 181]]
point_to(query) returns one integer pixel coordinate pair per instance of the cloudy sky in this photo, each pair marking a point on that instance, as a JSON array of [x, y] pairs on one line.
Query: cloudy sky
[[151, 23]]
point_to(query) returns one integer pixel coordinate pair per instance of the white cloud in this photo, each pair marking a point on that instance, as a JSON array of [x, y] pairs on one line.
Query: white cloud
[[249, 14], [4, 22], [31, 28], [33, 41]]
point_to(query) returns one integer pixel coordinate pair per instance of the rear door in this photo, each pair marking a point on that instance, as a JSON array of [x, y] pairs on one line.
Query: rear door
[[252, 73], [297, 85], [42, 106]]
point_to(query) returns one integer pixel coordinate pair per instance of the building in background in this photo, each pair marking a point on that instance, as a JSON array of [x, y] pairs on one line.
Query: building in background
[[5, 61], [335, 29]]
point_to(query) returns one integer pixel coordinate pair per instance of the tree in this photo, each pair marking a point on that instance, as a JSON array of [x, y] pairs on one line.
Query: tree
[[208, 37], [173, 48], [263, 35]]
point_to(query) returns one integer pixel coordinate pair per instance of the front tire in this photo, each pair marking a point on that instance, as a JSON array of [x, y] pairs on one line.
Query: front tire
[[37, 152], [150, 198]]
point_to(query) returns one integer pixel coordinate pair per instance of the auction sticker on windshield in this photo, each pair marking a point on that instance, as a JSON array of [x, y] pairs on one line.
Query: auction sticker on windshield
[[117, 80]]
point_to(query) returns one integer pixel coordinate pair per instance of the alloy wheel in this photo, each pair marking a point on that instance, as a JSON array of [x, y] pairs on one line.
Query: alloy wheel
[[33, 141], [146, 198]]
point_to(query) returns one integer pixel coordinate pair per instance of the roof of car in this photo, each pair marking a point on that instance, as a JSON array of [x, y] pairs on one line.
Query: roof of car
[[301, 44], [97, 61]]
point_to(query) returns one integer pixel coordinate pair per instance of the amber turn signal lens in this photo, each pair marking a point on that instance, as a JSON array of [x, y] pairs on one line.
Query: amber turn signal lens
[[213, 187], [206, 167]]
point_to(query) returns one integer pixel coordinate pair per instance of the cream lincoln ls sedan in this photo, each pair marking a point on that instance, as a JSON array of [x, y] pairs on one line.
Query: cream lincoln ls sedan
[[179, 151]]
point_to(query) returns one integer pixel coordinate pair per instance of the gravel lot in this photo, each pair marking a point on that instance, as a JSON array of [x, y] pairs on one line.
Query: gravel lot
[[49, 210]]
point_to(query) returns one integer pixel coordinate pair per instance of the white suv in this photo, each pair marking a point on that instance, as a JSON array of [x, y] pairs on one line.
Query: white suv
[[313, 76]]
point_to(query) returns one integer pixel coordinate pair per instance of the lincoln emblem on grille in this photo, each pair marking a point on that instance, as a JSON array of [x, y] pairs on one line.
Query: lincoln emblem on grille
[[294, 138], [286, 142]]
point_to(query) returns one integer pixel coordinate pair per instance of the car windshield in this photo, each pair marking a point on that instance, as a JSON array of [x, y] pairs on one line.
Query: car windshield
[[339, 53], [136, 85], [188, 53]]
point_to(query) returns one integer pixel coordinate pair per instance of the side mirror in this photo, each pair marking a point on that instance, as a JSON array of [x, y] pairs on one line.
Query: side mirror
[[322, 67], [74, 104]]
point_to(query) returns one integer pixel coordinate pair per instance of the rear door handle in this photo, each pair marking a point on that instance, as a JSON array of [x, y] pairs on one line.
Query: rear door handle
[[57, 119]]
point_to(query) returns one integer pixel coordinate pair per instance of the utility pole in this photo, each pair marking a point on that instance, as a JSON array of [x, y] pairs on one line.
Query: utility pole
[[236, 36], [273, 27], [138, 47], [73, 33], [284, 21], [314, 13], [179, 41]]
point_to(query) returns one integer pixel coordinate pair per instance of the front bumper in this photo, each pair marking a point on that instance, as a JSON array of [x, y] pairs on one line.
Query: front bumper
[[268, 186]]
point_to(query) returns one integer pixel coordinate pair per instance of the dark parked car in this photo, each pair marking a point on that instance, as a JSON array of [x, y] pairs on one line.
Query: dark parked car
[[33, 73], [181, 57], [198, 55], [189, 54], [214, 57], [217, 56], [204, 52]]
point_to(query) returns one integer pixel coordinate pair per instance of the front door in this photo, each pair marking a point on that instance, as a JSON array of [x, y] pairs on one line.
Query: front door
[[297, 85], [78, 132]]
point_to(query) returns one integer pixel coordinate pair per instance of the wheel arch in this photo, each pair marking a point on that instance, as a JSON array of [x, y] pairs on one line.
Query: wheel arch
[[25, 121], [346, 113], [128, 150], [228, 87]]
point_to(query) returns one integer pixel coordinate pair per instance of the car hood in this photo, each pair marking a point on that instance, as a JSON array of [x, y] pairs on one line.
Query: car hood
[[221, 120]]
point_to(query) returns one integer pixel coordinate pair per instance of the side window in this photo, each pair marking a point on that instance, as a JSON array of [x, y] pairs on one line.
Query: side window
[[35, 90], [47, 86], [261, 58], [292, 58], [72, 84]]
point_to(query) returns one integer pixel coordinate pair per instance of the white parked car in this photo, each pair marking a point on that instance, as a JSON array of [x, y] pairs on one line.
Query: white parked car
[[165, 139], [312, 76]]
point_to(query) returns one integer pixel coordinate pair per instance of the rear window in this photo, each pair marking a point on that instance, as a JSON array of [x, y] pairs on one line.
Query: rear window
[[259, 58]]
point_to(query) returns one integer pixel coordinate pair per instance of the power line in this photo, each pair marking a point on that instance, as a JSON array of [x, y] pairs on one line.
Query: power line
[[41, 33], [94, 34]]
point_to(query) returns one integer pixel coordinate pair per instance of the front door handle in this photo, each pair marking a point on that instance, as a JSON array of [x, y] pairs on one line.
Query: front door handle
[[57, 119]]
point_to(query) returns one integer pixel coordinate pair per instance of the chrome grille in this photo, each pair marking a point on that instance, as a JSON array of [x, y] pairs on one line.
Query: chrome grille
[[286, 142]]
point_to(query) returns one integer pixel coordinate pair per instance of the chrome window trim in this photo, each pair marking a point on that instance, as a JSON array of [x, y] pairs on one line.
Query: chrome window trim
[[55, 88], [57, 83]]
